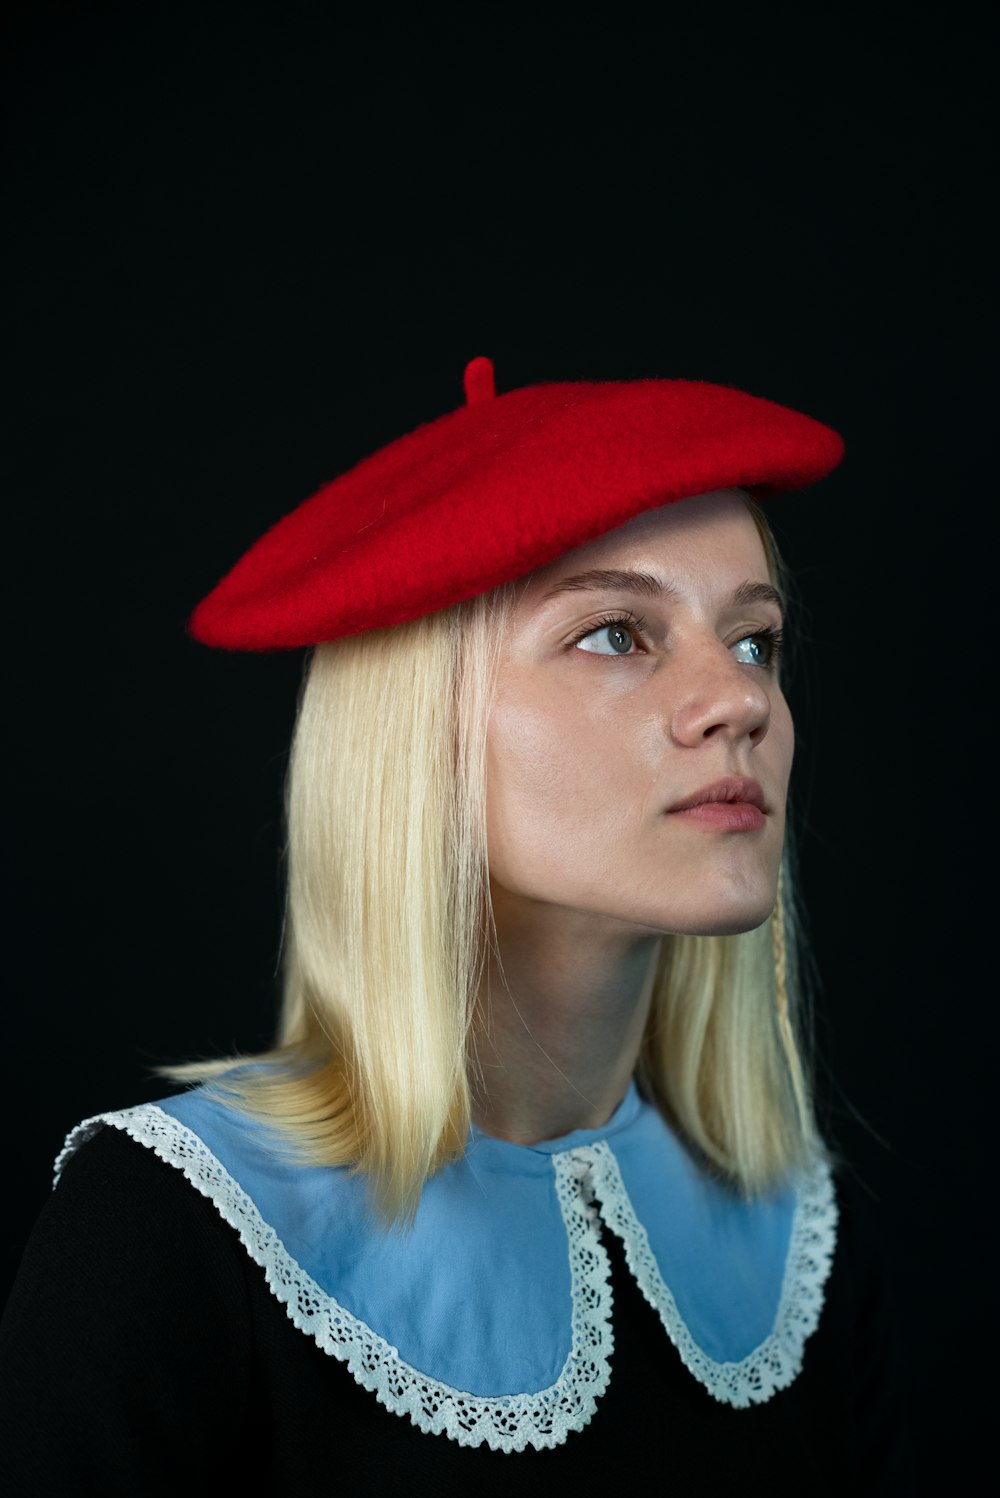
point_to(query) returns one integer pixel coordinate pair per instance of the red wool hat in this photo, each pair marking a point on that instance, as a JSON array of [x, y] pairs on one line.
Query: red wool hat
[[495, 489]]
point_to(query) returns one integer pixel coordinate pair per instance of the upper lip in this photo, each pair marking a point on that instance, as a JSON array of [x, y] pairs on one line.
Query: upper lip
[[730, 788]]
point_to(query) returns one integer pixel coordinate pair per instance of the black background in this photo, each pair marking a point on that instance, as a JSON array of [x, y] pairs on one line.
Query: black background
[[247, 246]]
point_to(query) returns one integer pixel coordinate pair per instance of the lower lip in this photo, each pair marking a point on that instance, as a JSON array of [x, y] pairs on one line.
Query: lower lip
[[732, 816]]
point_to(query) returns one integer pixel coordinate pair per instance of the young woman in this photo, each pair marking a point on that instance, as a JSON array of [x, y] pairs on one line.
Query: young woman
[[529, 1185]]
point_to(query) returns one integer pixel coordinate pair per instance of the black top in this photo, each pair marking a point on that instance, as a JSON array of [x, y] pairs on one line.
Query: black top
[[142, 1352]]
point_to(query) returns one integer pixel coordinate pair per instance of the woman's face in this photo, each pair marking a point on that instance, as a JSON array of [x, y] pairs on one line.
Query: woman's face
[[624, 692]]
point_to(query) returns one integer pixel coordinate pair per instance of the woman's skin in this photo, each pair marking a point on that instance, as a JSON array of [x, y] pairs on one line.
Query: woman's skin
[[590, 742]]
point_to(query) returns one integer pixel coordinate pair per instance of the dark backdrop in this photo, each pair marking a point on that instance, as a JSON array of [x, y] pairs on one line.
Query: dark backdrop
[[246, 247]]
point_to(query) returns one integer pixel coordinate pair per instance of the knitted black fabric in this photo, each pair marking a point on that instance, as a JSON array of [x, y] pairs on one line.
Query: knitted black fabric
[[141, 1352]]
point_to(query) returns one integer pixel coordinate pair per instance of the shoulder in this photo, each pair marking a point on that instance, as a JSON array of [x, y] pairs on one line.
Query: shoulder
[[862, 1241], [863, 1324], [120, 1220], [113, 1181], [127, 1322]]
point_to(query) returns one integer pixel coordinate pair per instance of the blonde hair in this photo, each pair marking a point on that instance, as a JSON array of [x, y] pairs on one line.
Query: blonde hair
[[388, 922]]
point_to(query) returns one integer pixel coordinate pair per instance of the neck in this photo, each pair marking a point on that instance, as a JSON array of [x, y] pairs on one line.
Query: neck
[[559, 1022]]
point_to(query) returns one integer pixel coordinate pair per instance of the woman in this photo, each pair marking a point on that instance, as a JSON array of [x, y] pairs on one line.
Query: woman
[[530, 1181]]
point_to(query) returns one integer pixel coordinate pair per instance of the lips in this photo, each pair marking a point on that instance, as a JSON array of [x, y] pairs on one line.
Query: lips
[[731, 788]]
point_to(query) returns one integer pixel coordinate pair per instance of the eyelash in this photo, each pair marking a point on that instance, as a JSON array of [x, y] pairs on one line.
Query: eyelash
[[611, 621], [774, 638], [637, 625]]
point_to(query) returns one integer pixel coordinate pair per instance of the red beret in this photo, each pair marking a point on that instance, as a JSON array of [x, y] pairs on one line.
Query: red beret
[[492, 491]]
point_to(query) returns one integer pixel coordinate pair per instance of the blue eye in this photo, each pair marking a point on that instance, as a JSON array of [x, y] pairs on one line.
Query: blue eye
[[613, 637], [762, 648]]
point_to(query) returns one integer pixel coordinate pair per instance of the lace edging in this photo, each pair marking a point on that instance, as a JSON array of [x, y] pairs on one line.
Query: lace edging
[[584, 1176], [504, 1422], [778, 1359]]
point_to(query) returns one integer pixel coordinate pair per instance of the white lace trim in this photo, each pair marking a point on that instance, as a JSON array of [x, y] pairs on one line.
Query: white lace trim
[[778, 1359], [505, 1422], [543, 1419]]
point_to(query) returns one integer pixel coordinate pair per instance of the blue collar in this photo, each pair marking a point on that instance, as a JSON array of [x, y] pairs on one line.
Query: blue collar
[[490, 1319]]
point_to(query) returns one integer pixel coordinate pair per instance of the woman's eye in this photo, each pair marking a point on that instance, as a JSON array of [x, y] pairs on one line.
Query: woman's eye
[[759, 649], [608, 639]]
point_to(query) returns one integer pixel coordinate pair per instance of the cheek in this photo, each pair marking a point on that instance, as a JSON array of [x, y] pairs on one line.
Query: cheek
[[543, 801], [782, 738]]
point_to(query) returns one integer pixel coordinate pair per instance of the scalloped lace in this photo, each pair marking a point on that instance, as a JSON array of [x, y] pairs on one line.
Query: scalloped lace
[[584, 1176], [775, 1362], [506, 1423]]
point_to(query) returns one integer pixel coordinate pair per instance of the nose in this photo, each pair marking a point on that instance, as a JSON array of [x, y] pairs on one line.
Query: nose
[[719, 697]]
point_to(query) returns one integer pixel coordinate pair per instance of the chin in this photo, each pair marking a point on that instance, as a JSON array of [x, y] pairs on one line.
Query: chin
[[709, 914], [727, 925]]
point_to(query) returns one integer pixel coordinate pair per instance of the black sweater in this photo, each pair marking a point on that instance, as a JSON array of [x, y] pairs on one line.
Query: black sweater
[[141, 1352]]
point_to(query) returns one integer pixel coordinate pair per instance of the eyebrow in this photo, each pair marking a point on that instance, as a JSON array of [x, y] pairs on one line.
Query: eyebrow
[[645, 585]]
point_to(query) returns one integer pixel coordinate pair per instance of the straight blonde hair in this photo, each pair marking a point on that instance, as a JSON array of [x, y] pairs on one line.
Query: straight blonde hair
[[388, 922]]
